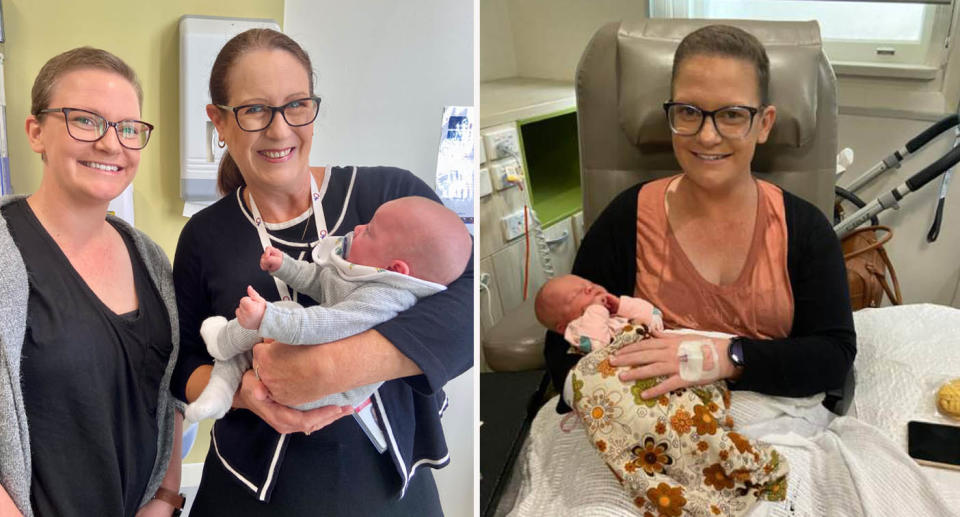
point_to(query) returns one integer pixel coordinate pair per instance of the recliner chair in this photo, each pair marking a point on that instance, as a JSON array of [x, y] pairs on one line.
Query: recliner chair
[[623, 78]]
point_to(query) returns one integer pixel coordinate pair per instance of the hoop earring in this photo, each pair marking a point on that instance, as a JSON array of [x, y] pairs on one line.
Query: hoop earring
[[221, 144]]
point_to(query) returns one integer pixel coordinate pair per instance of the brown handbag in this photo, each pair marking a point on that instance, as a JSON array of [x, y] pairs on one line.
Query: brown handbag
[[867, 267]]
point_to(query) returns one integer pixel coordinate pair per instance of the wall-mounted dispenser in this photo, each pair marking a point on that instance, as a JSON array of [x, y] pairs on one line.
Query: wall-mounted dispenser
[[201, 38]]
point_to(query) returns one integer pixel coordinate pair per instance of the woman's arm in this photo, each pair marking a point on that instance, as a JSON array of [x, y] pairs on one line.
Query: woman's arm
[[171, 481], [607, 257], [193, 305], [820, 349], [334, 367], [426, 345], [822, 343], [6, 505]]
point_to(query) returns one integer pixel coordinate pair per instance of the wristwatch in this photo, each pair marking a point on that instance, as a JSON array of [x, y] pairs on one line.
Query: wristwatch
[[735, 351], [172, 498]]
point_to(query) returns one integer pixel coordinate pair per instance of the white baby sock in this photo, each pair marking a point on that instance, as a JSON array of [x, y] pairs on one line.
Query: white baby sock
[[213, 402], [210, 332]]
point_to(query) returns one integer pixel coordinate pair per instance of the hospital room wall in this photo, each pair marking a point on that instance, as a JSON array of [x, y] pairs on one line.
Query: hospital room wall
[[145, 35], [545, 38], [385, 71]]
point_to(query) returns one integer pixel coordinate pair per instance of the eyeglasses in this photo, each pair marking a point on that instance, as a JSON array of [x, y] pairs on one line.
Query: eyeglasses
[[87, 126], [732, 122], [257, 117]]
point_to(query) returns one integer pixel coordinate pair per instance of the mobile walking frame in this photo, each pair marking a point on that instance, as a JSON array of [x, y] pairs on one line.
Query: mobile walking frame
[[869, 211]]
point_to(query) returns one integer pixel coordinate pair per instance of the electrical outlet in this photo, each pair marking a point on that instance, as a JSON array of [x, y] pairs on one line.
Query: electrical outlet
[[501, 141], [513, 225], [483, 182]]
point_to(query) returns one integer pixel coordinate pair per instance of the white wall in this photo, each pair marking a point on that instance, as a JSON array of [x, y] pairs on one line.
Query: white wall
[[497, 59], [385, 70], [547, 36]]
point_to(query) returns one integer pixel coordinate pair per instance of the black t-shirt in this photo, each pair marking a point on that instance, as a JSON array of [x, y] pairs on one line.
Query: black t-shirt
[[91, 380]]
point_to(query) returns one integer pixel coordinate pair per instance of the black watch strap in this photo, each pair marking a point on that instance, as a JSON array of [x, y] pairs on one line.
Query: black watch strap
[[735, 351]]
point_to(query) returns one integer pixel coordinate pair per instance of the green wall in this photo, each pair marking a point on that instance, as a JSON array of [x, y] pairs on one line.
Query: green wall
[[145, 35]]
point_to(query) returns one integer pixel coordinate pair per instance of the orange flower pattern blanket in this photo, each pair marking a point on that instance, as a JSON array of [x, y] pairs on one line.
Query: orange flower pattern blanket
[[677, 454]]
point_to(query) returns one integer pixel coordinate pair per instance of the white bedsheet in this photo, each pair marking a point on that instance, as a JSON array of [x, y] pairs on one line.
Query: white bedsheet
[[839, 466]]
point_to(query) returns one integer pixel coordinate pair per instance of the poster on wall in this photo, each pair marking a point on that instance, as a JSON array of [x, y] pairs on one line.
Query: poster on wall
[[456, 164], [5, 186]]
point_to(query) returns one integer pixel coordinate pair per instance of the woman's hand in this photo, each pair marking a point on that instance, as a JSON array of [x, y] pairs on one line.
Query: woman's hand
[[288, 372], [253, 395], [295, 374], [657, 357]]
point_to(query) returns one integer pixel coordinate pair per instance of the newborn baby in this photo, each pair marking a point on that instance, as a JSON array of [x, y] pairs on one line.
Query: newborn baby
[[673, 454], [413, 247]]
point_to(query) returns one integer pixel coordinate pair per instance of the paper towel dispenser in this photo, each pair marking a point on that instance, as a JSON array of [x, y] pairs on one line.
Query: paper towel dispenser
[[201, 38]]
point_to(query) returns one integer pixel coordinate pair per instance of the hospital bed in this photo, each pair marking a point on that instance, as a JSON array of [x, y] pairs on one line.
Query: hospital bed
[[621, 82]]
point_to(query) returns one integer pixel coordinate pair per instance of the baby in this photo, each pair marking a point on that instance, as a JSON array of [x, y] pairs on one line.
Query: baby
[[412, 248], [678, 448]]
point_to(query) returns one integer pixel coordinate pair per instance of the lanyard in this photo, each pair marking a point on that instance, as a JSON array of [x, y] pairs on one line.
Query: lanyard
[[265, 237], [364, 412]]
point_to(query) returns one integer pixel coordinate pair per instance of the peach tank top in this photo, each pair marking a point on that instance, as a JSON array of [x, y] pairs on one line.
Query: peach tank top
[[759, 304]]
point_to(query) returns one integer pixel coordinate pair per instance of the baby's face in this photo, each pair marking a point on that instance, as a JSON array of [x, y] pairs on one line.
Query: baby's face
[[572, 295], [371, 243]]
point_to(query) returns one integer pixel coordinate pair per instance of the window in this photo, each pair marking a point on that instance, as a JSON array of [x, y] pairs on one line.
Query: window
[[891, 33]]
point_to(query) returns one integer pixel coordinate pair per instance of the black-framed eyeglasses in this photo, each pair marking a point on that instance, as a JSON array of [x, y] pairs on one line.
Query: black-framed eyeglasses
[[257, 117], [87, 126], [729, 121]]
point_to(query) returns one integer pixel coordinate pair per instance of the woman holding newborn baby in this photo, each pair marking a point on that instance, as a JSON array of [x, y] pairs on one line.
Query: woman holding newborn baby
[[267, 458], [716, 249]]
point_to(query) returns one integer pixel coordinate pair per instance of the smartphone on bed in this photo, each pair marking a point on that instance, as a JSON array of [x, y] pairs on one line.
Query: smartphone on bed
[[933, 444]]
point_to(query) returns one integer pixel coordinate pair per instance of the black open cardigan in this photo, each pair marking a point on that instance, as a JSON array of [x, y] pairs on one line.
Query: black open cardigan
[[819, 351]]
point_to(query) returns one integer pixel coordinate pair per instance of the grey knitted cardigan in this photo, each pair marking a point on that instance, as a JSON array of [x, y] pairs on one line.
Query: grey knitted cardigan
[[14, 438]]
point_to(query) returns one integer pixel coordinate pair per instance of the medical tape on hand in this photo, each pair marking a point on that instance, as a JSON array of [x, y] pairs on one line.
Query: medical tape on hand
[[690, 354]]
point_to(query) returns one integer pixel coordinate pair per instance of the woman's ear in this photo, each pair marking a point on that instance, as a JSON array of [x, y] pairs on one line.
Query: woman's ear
[[34, 132], [767, 117], [216, 116]]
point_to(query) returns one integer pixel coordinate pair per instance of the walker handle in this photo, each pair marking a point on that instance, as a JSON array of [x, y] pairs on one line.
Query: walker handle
[[932, 132], [934, 169]]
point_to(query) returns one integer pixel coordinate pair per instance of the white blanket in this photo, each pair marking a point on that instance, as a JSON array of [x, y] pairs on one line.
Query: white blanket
[[839, 466]]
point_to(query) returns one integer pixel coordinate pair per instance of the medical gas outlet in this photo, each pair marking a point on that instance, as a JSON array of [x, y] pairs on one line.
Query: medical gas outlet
[[513, 226]]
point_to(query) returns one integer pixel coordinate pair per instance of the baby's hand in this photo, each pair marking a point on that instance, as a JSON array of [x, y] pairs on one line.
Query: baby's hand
[[271, 259], [251, 309], [611, 302]]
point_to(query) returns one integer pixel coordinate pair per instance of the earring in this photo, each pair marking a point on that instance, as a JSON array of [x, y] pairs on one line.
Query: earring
[[221, 144]]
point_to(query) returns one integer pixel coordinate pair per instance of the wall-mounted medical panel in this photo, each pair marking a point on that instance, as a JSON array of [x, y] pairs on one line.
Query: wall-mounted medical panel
[[201, 38]]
